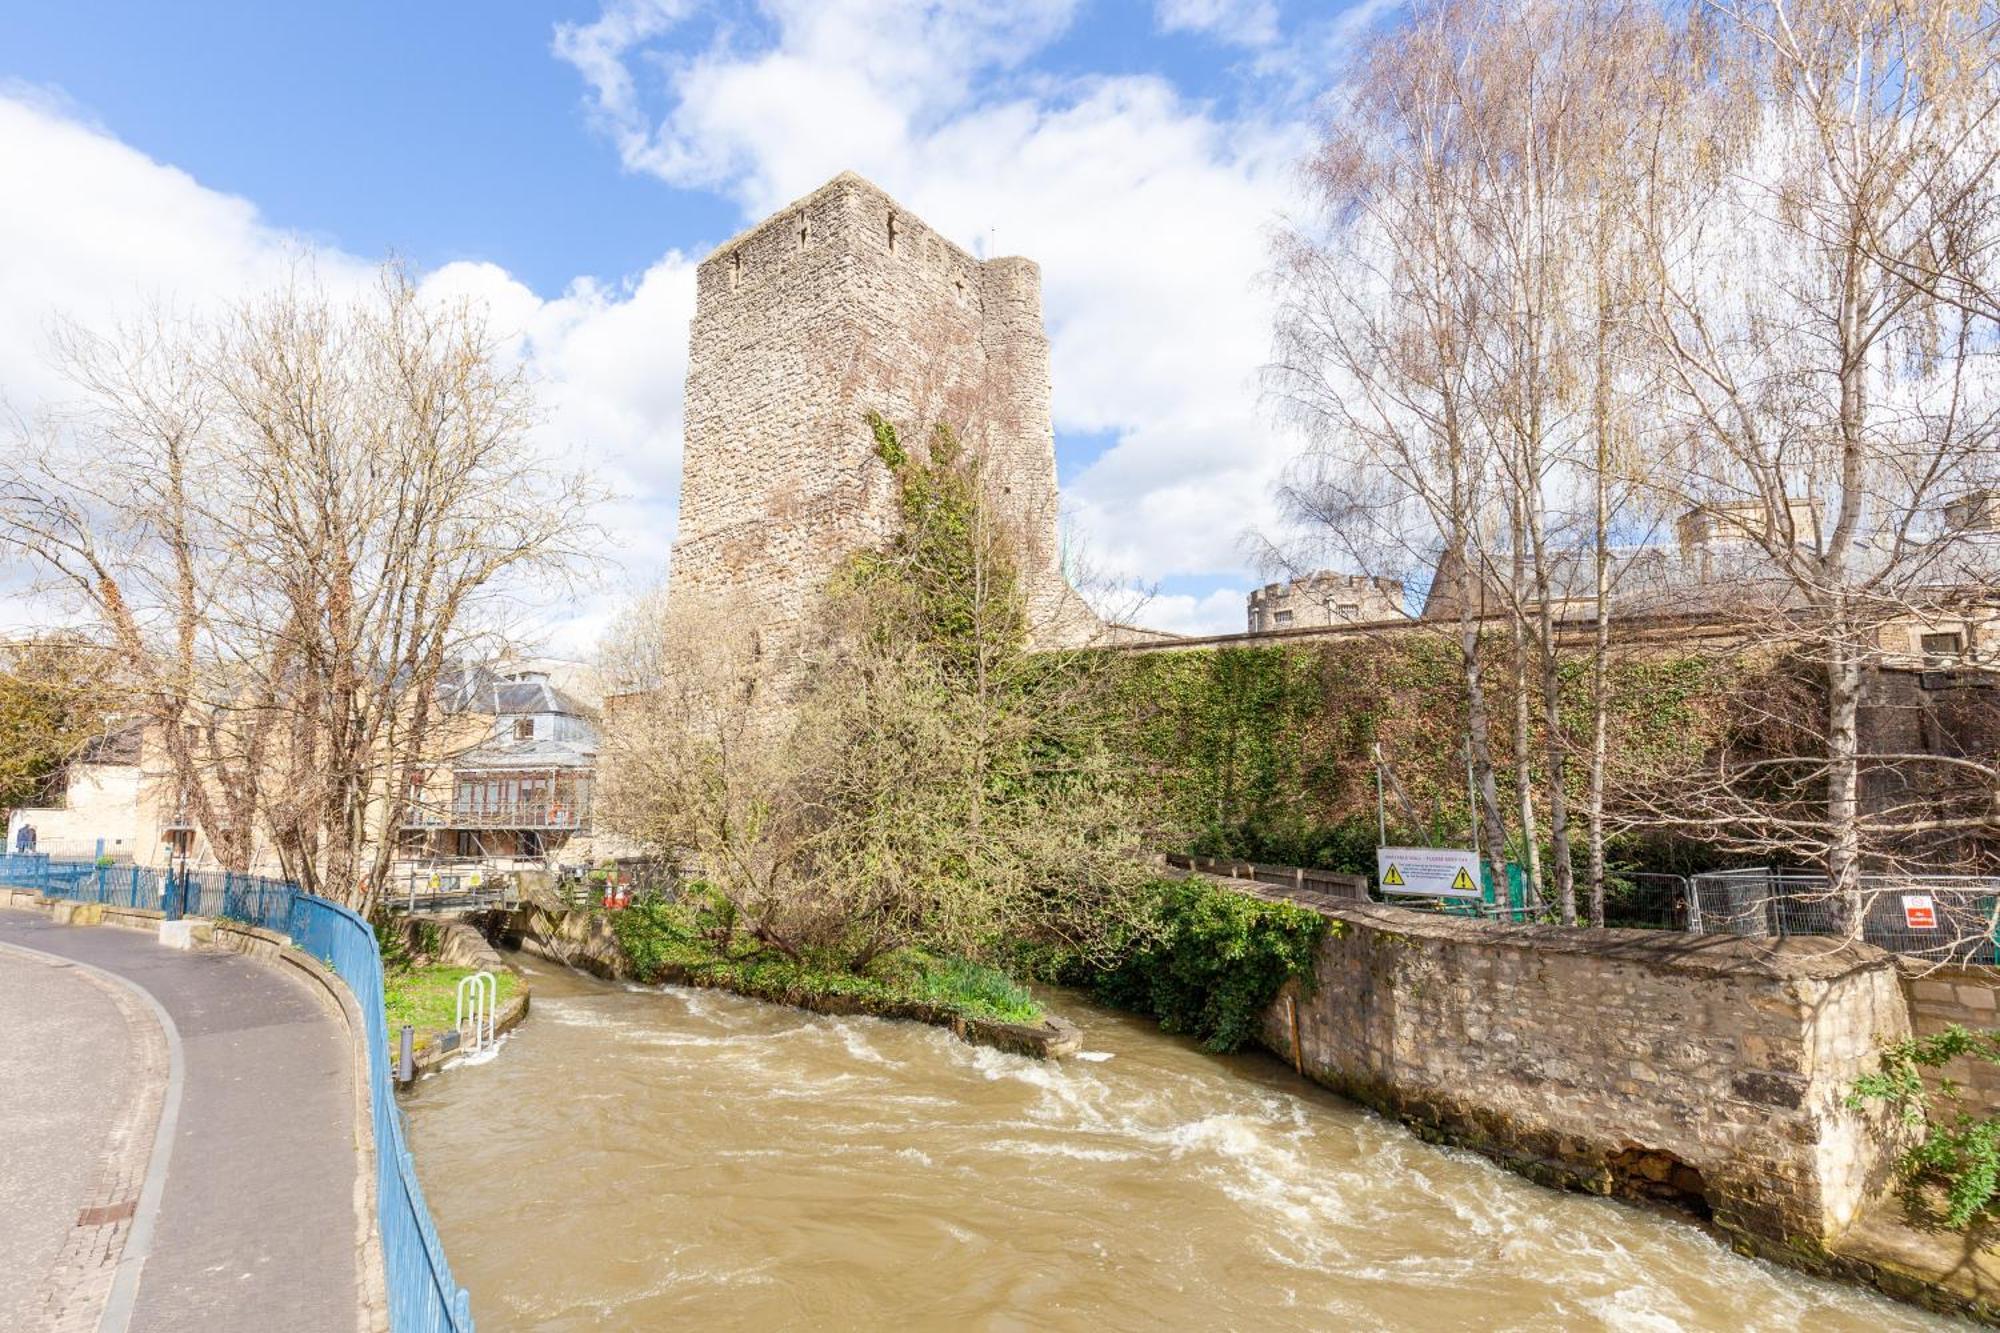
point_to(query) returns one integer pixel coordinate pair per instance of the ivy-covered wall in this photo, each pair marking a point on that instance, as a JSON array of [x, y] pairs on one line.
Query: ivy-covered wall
[[1265, 753]]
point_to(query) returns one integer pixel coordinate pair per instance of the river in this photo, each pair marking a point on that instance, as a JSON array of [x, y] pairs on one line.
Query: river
[[656, 1159]]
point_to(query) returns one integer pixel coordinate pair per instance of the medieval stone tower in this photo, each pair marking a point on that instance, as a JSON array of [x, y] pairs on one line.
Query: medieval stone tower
[[836, 306]]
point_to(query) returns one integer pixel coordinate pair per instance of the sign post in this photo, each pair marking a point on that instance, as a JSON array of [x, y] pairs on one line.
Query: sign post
[[1428, 872]]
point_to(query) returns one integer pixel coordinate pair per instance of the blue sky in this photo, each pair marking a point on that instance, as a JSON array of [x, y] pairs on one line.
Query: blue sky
[[570, 161]]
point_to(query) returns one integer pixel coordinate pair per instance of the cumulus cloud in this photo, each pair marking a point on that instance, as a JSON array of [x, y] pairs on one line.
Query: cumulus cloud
[[109, 230], [1147, 211]]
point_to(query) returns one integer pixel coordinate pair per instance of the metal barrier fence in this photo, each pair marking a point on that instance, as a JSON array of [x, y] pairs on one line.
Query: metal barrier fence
[[1305, 884], [423, 1297], [1939, 918]]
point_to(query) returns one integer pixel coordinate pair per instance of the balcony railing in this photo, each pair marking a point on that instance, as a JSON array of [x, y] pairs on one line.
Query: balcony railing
[[519, 814]]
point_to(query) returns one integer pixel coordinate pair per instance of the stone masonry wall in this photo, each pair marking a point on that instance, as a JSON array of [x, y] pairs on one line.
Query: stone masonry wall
[[1969, 997], [1324, 598], [841, 304], [1632, 1062]]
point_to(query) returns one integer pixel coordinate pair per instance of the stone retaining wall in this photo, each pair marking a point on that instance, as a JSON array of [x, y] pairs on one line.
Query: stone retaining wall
[[458, 943], [1969, 997], [1703, 1070]]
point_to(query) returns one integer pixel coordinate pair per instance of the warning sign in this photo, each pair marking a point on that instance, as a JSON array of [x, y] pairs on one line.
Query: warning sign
[[1919, 912], [1428, 872]]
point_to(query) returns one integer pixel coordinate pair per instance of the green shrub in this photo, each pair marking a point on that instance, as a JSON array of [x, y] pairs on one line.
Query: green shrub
[[1214, 961], [1959, 1151]]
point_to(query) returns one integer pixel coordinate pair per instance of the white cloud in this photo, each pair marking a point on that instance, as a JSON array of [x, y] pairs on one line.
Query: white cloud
[[94, 228], [1219, 612], [1243, 22], [1148, 214], [105, 229]]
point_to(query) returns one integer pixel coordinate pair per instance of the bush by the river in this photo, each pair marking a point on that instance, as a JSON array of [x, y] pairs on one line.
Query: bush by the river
[[1207, 962], [699, 937]]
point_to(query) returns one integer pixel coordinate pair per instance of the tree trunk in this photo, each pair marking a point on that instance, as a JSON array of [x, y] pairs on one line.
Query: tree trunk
[[1843, 787], [1478, 728], [1524, 774]]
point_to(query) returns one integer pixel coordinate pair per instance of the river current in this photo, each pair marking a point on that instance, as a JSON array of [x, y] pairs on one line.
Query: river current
[[686, 1159]]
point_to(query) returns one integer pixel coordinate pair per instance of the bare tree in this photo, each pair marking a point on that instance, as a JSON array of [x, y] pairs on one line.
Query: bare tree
[[1829, 396], [291, 521], [1443, 311], [1373, 359]]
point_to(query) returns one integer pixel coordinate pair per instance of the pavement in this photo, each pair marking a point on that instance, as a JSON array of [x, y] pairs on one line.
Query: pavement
[[178, 1152]]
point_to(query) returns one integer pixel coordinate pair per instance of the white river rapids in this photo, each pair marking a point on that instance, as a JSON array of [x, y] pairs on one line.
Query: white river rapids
[[652, 1159]]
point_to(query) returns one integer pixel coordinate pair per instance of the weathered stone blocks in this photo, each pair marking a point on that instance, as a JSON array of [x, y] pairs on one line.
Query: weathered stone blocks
[[1710, 1069], [839, 305]]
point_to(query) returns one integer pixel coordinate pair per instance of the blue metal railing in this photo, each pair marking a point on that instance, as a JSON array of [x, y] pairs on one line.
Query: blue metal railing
[[423, 1297]]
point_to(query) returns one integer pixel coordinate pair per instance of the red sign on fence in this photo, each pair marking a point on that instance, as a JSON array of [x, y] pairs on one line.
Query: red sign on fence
[[1919, 912]]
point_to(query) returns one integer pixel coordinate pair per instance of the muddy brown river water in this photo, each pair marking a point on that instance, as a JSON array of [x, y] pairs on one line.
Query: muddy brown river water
[[680, 1159]]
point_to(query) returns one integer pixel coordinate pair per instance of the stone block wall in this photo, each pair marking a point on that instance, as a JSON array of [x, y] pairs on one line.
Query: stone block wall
[[1708, 1071], [839, 305], [1969, 997], [1323, 599]]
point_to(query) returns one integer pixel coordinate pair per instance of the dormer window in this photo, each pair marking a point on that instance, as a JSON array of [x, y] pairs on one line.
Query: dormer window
[[524, 728]]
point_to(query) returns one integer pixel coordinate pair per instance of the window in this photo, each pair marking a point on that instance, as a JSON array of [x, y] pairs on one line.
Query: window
[[735, 268], [524, 728], [1949, 643], [895, 230], [1283, 618], [1348, 610], [805, 231]]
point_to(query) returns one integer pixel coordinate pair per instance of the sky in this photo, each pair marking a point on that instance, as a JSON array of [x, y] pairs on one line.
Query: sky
[[571, 162]]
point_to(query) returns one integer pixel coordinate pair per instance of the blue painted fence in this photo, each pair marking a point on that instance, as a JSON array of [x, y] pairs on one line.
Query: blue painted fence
[[423, 1298]]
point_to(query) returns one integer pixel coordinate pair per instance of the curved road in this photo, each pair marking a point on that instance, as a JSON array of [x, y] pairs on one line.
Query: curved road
[[245, 1214]]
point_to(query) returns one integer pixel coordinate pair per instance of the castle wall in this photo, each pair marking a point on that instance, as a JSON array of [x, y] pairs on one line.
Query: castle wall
[[839, 305], [1322, 599]]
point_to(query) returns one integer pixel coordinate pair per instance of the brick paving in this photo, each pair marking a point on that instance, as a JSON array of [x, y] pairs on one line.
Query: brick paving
[[259, 1222], [82, 1063]]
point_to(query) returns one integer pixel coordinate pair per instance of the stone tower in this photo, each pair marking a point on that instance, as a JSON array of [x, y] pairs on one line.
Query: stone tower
[[837, 305]]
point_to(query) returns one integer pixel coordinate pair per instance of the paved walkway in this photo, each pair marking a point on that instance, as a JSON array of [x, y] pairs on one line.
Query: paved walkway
[[257, 1221]]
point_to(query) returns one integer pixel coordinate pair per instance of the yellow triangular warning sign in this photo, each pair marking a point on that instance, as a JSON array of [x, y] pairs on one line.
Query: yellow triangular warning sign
[[1392, 876], [1462, 883]]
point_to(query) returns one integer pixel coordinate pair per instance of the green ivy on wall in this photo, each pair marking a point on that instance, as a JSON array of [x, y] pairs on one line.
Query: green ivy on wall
[[1266, 753]]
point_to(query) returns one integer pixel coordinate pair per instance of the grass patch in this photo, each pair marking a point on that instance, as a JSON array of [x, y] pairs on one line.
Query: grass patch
[[688, 939], [426, 998]]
